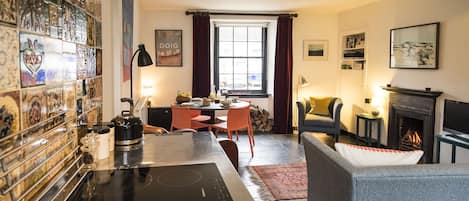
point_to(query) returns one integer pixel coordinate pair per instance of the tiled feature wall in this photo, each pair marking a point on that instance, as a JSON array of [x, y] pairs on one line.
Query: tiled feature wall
[[50, 82]]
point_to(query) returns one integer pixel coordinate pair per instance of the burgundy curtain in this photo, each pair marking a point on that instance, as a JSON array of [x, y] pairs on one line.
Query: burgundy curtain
[[201, 55], [283, 76]]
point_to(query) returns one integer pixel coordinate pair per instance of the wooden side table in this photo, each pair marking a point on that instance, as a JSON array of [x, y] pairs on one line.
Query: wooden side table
[[369, 119]]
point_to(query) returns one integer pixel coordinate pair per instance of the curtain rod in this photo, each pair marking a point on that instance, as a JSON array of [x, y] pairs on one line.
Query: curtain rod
[[233, 13]]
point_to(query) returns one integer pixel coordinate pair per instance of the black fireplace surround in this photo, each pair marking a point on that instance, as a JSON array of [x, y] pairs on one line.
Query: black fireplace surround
[[408, 105]]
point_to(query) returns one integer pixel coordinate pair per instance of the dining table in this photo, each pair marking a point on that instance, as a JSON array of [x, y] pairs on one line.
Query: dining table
[[210, 109]]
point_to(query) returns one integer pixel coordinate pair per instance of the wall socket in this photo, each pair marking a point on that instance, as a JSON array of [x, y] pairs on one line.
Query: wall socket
[[367, 100]]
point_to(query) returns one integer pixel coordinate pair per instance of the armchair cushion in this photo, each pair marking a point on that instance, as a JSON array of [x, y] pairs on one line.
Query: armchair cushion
[[320, 106], [318, 120]]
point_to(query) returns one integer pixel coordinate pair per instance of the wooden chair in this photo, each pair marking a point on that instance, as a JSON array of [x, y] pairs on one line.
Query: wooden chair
[[182, 118], [237, 119]]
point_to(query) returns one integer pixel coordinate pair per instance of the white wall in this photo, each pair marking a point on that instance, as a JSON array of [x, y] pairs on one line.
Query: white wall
[[321, 75], [451, 77], [166, 80]]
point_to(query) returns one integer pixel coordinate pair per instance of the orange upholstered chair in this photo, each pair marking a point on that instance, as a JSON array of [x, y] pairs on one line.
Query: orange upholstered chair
[[237, 119], [182, 118], [197, 115]]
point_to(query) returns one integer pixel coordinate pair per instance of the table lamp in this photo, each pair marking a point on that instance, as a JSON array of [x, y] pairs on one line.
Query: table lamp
[[144, 59], [302, 82]]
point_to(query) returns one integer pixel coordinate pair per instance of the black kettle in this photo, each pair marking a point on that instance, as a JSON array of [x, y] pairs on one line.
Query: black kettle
[[128, 128]]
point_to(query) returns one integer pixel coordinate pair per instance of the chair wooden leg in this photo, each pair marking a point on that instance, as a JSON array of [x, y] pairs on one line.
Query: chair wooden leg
[[251, 142], [237, 137], [252, 132], [216, 133], [229, 135]]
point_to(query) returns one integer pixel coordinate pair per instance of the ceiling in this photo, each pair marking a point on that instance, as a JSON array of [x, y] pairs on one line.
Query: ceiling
[[253, 5]]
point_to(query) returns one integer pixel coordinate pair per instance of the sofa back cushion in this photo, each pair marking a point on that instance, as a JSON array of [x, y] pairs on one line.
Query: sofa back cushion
[[361, 156], [320, 106]]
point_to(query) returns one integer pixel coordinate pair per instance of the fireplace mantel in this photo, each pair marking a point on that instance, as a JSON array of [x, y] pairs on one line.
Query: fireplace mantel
[[415, 92], [417, 105]]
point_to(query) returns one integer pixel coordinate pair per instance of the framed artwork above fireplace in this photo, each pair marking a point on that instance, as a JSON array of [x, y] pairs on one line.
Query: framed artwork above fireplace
[[415, 47]]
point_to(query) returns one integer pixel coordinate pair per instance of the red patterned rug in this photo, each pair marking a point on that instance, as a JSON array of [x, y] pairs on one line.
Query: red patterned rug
[[285, 181]]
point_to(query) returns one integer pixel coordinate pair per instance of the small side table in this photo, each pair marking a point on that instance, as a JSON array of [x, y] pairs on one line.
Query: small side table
[[369, 119], [453, 141]]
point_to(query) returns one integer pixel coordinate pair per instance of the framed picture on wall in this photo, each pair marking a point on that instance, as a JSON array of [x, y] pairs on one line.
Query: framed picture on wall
[[415, 47], [315, 50], [168, 48]]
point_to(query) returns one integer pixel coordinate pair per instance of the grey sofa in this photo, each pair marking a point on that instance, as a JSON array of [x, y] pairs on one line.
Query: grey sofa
[[318, 123], [332, 178]]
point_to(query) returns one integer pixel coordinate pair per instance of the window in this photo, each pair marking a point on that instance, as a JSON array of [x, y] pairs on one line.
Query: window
[[240, 59]]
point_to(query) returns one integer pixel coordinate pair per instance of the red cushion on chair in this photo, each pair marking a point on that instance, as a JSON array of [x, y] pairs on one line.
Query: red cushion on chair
[[201, 118]]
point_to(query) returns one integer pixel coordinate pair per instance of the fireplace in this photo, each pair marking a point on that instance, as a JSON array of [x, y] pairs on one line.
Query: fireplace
[[412, 120]]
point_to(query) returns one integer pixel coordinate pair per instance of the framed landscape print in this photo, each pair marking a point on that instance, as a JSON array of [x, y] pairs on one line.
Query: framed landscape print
[[168, 48], [315, 50], [415, 47]]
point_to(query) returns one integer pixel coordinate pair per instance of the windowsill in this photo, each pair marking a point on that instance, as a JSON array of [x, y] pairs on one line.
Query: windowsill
[[244, 95]]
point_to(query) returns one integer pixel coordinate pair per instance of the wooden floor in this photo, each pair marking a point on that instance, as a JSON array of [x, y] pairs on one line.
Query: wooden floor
[[274, 149]]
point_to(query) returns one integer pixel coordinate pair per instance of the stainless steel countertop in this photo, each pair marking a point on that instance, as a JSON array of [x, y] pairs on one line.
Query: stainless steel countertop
[[180, 149]]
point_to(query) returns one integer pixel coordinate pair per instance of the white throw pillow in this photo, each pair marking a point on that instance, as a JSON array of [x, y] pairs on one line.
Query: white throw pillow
[[361, 156]]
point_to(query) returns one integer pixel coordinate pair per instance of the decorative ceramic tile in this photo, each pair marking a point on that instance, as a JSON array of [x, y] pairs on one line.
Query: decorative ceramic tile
[[70, 99], [97, 9], [91, 88], [81, 88], [92, 117], [80, 27], [82, 62], [91, 31], [55, 101], [32, 60], [99, 87], [9, 71], [79, 106], [9, 113], [8, 11], [69, 24], [53, 61], [34, 16], [91, 62], [69, 61], [55, 21], [34, 106], [91, 6], [98, 38], [99, 62]]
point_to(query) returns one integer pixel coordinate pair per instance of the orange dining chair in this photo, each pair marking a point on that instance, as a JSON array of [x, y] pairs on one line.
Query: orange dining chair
[[237, 119], [225, 118], [197, 116], [182, 118]]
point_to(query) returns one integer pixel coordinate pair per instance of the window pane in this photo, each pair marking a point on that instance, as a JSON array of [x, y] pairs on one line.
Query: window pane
[[255, 49], [226, 49], [240, 82], [255, 81], [225, 33], [240, 49], [240, 34], [241, 66], [255, 34], [226, 81], [225, 65], [255, 66]]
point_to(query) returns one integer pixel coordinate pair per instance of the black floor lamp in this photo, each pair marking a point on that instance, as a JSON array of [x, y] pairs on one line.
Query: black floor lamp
[[144, 59]]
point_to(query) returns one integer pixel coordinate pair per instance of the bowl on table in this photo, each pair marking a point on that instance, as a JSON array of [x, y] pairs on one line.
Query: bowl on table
[[225, 103]]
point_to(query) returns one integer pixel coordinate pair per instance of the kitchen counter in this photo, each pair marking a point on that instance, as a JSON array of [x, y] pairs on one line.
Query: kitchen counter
[[180, 149]]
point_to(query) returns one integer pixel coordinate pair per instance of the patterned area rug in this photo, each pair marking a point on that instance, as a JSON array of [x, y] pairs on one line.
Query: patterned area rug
[[284, 182]]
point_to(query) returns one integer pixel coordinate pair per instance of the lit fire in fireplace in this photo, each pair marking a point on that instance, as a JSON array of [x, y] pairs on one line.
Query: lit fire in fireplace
[[411, 140]]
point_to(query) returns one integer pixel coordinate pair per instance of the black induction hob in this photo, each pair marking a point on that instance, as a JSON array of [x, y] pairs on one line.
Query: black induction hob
[[170, 183]]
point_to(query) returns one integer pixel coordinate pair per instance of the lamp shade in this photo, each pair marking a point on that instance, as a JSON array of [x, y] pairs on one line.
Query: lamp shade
[[302, 82], [144, 58]]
